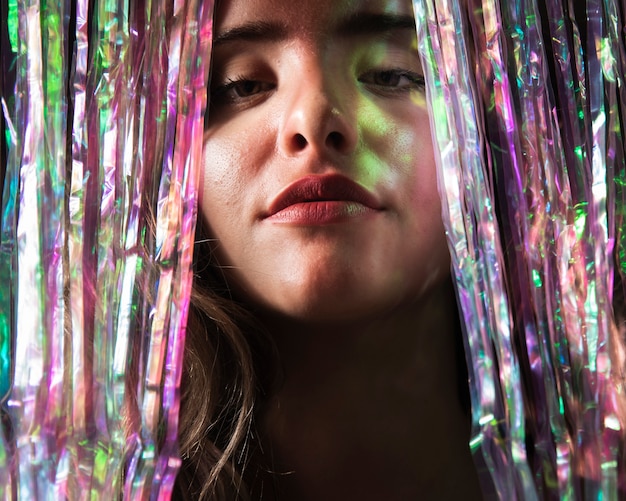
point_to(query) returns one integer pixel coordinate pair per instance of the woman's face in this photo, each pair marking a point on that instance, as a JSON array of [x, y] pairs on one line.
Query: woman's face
[[319, 183]]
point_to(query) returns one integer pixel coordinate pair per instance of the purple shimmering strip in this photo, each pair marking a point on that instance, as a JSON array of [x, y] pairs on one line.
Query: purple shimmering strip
[[111, 100], [76, 479], [8, 174], [569, 261], [28, 395], [36, 397], [617, 28], [530, 167], [142, 164], [157, 40], [553, 154], [54, 22], [604, 45], [12, 132], [89, 230], [192, 100], [185, 63], [70, 391], [593, 335], [498, 418], [616, 208]]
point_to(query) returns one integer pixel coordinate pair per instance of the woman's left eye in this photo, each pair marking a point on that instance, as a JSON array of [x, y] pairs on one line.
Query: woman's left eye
[[240, 91], [393, 80]]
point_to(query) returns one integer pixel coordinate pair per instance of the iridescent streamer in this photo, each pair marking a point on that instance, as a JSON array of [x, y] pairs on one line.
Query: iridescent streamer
[[551, 155], [616, 157], [468, 211], [9, 174], [518, 130], [28, 393], [175, 224], [110, 98], [35, 401], [153, 351], [553, 174], [72, 477], [192, 100], [80, 378], [617, 145]]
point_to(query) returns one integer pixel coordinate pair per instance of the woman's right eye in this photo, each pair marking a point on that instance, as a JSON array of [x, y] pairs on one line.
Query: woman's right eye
[[240, 91]]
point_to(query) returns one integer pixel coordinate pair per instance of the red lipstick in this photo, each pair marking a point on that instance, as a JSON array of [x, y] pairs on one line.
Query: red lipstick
[[319, 200]]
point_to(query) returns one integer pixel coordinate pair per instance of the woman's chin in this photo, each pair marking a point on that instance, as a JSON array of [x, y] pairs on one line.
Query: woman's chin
[[323, 313], [337, 291], [326, 306]]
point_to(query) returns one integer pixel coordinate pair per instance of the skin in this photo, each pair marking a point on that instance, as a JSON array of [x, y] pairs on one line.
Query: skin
[[362, 309], [316, 117]]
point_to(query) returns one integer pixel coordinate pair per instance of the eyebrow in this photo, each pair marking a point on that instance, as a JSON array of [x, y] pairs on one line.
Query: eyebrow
[[366, 23], [255, 31], [358, 24]]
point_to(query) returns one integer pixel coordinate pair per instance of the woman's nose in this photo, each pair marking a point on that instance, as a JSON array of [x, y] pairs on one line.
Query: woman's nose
[[317, 118]]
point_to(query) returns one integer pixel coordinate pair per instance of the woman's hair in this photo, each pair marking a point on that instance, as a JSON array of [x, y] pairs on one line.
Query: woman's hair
[[229, 363]]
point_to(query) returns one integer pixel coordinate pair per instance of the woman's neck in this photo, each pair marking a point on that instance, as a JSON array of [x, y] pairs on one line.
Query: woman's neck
[[371, 411]]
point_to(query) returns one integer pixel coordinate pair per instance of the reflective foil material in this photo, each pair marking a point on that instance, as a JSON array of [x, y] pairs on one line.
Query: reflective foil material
[[102, 117], [527, 101]]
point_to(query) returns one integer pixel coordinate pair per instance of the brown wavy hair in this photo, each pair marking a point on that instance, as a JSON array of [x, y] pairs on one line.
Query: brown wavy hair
[[230, 365]]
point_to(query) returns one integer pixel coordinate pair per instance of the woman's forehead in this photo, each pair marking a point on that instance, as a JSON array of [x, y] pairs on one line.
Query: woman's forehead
[[305, 15]]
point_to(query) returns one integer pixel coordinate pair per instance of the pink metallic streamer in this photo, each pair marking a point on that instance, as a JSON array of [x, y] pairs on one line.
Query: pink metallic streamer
[[95, 396], [550, 158], [9, 174], [35, 402], [192, 102], [476, 255], [535, 284]]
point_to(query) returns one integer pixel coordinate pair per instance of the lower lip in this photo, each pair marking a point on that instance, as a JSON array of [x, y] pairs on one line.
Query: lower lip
[[321, 213]]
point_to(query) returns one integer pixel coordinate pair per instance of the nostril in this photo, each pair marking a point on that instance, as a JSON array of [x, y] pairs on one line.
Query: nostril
[[335, 140], [300, 141]]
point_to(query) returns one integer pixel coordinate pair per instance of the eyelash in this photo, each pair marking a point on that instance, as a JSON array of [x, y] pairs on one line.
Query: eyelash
[[223, 94], [415, 80]]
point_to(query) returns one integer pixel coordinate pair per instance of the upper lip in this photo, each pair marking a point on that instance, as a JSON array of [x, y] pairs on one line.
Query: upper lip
[[332, 187]]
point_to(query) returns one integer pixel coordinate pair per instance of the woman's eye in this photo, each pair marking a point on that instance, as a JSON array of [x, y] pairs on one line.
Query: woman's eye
[[239, 90], [246, 88], [393, 80]]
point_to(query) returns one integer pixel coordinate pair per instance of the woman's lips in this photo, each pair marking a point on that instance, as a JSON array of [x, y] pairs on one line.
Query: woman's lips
[[315, 200]]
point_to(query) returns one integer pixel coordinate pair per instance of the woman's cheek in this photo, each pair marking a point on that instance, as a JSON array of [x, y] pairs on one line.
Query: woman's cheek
[[397, 131]]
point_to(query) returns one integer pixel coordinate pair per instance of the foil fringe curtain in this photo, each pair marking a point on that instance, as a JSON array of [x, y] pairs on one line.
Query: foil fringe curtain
[[102, 116], [102, 120], [527, 105]]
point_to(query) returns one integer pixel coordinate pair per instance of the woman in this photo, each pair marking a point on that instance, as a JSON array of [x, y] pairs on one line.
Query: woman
[[320, 215], [323, 354]]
